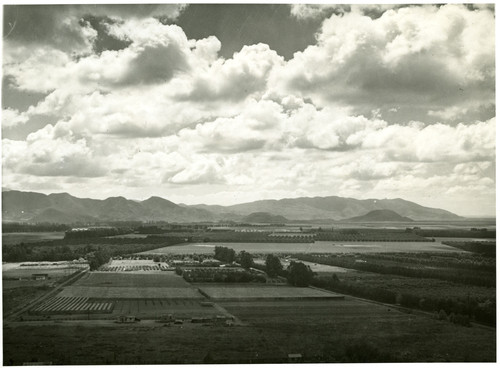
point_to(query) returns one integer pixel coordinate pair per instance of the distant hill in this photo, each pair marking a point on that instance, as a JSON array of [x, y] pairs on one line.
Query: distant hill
[[379, 216], [64, 208], [334, 208], [264, 218]]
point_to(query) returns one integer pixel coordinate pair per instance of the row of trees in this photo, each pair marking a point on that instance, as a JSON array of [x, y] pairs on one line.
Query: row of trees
[[467, 261], [297, 273], [98, 258], [58, 251], [460, 309], [457, 275], [486, 248], [16, 227]]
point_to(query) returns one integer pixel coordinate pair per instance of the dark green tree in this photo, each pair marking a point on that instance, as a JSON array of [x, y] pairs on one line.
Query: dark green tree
[[245, 259], [273, 266], [224, 254], [299, 274]]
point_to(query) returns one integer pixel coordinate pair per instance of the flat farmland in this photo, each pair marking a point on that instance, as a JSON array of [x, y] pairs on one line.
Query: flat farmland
[[26, 273], [132, 280], [326, 327], [316, 247], [264, 292], [322, 331], [30, 237], [420, 287], [111, 293], [179, 308]]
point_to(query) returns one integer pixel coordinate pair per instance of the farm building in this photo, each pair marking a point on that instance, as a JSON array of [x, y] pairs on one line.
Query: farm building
[[40, 276], [127, 319]]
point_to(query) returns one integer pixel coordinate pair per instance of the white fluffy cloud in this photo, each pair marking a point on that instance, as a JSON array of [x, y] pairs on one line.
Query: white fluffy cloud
[[46, 153], [12, 117], [166, 112], [425, 57]]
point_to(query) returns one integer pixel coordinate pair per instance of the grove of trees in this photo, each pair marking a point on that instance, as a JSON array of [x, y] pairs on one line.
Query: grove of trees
[[245, 259], [224, 254], [273, 266], [299, 274]]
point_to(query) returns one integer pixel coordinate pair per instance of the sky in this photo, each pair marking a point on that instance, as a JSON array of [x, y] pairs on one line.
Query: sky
[[225, 104]]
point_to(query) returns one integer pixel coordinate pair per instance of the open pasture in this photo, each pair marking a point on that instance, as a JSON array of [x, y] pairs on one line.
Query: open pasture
[[112, 293], [264, 292], [316, 247], [164, 279]]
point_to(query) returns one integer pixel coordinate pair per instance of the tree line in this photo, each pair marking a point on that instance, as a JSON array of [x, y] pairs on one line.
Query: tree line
[[65, 251], [457, 275], [456, 310]]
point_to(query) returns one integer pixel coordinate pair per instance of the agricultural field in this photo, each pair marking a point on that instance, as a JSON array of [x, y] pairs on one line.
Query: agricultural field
[[271, 331], [72, 305], [53, 270], [17, 293], [420, 287], [394, 336], [316, 247], [265, 292], [133, 265], [165, 279], [27, 273], [30, 237], [179, 308], [111, 293]]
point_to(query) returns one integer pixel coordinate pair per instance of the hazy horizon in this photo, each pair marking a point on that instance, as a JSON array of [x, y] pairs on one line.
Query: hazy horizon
[[236, 203], [225, 104]]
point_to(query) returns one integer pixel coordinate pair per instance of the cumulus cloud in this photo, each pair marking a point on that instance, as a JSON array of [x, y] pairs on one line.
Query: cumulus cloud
[[201, 171], [64, 27], [12, 118], [306, 11], [389, 99], [46, 153], [235, 78], [414, 56]]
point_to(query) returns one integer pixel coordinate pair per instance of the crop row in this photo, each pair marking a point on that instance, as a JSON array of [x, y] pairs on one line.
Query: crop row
[[134, 268], [72, 305]]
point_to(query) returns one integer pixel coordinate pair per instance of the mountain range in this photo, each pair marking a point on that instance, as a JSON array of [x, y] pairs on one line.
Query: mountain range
[[64, 208]]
